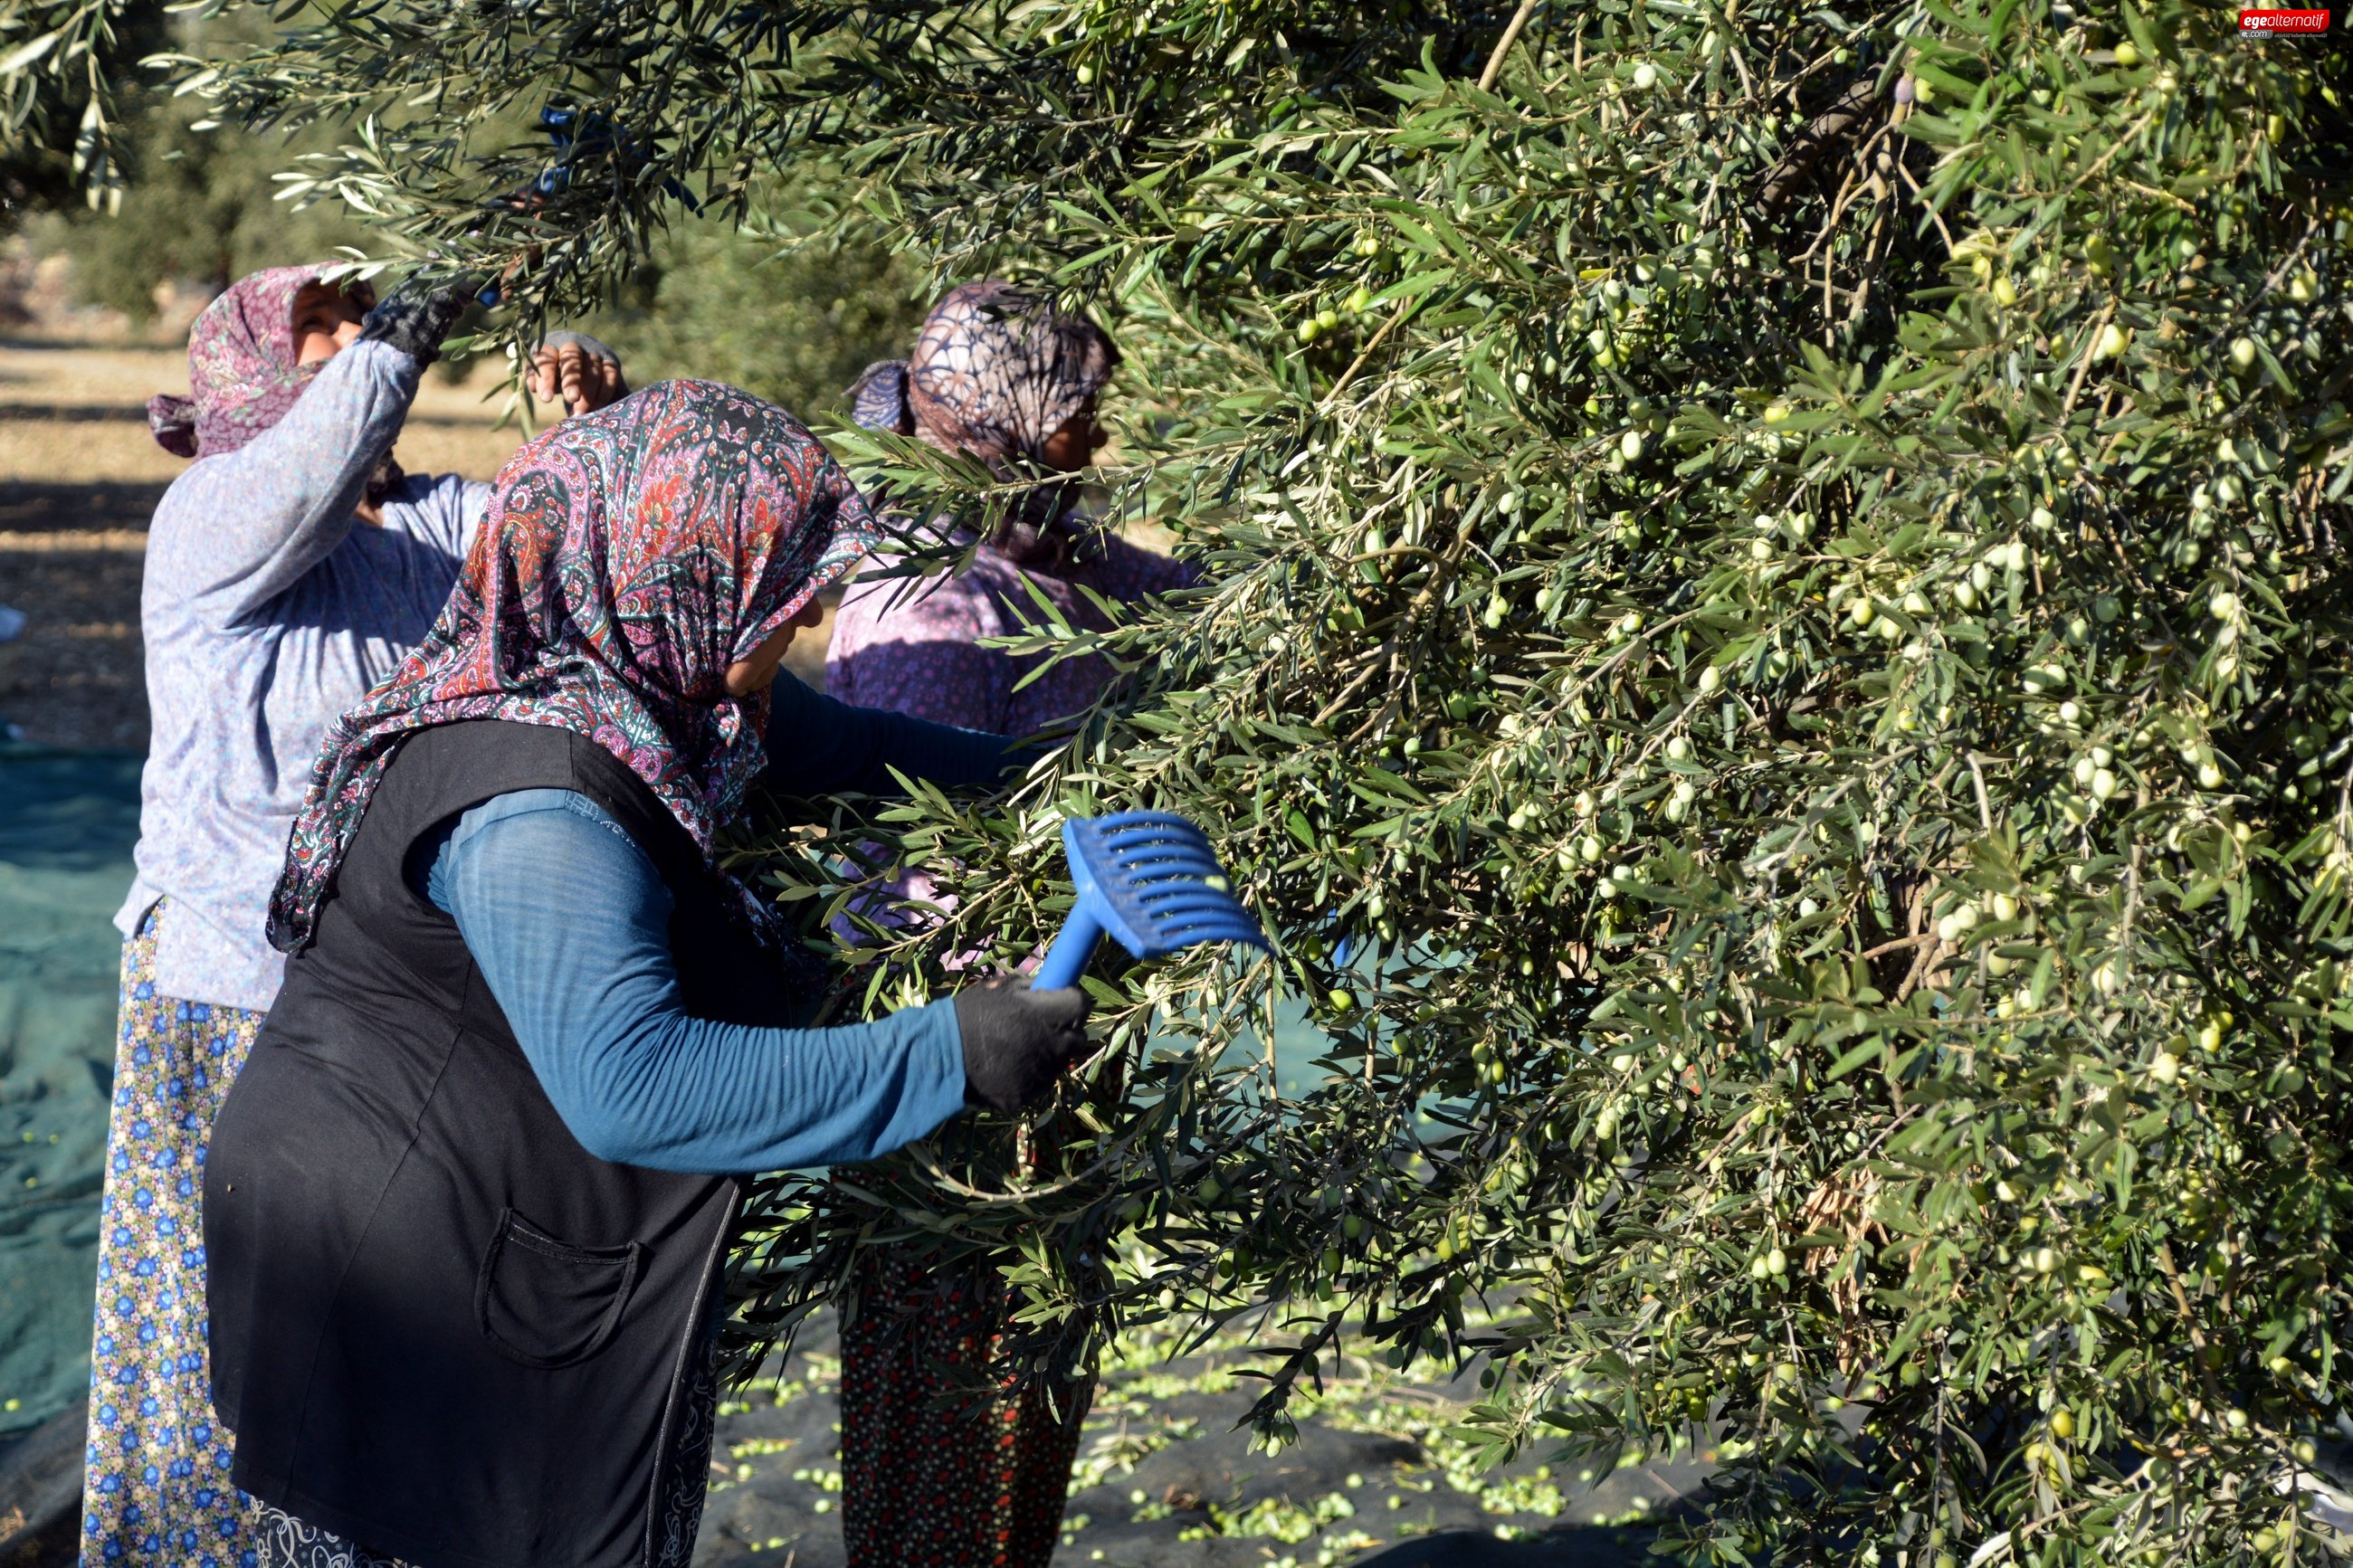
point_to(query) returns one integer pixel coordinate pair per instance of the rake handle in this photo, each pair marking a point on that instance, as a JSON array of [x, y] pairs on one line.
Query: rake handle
[[1067, 959]]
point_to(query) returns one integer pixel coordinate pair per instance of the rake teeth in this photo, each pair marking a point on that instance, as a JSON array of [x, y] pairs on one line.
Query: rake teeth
[[1152, 827], [1160, 876], [1158, 862], [1178, 900], [1224, 928], [1170, 873]]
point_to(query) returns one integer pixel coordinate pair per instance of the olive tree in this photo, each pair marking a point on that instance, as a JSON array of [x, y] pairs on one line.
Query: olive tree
[[1773, 655], [62, 69]]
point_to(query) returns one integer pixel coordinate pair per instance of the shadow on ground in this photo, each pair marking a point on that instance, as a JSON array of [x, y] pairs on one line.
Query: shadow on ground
[[40, 1494], [1359, 1488]]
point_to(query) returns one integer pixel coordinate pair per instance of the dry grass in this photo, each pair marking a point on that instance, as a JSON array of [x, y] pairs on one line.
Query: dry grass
[[79, 476], [72, 414], [101, 541], [77, 452]]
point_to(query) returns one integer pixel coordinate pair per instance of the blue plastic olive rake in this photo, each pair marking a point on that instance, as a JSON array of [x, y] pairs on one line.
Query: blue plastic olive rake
[[1150, 881]]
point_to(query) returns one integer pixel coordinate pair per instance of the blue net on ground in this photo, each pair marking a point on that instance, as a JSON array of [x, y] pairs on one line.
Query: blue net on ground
[[68, 820]]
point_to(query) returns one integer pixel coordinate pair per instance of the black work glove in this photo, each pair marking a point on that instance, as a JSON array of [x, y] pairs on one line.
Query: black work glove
[[1017, 1041], [415, 318]]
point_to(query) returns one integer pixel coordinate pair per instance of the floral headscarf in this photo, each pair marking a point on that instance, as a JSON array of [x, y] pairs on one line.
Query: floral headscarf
[[628, 558], [242, 374], [995, 373]]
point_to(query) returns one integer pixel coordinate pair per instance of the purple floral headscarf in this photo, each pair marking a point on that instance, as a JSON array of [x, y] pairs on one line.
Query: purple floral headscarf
[[242, 374], [996, 371]]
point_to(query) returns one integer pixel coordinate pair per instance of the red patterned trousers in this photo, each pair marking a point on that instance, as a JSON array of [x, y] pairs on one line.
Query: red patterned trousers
[[936, 1470]]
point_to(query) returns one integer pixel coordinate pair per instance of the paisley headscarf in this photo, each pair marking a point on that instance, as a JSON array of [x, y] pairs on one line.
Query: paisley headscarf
[[242, 374], [996, 371], [628, 558]]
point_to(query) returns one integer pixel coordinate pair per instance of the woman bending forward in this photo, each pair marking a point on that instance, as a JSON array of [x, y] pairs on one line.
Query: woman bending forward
[[469, 1199], [289, 570]]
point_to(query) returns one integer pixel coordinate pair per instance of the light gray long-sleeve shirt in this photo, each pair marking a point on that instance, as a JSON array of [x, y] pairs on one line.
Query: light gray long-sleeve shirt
[[270, 610]]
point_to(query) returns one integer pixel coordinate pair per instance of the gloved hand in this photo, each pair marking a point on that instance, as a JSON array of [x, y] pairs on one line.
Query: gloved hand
[[1017, 1041], [415, 317]]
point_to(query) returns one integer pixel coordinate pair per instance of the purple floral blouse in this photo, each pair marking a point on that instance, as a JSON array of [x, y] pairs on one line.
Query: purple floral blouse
[[921, 655]]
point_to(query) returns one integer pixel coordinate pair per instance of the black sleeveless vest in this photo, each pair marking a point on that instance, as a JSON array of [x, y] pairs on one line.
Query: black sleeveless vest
[[441, 1328]]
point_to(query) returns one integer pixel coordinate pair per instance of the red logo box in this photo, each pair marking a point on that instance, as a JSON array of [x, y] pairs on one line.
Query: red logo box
[[2284, 24]]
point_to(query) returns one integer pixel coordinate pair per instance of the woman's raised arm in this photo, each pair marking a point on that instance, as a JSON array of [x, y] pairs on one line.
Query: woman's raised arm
[[238, 530]]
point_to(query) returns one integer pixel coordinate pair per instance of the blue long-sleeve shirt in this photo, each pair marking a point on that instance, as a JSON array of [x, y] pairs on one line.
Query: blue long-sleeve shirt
[[569, 921], [820, 745]]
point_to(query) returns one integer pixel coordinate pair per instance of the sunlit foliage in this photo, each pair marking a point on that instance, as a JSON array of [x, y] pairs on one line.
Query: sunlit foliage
[[1776, 576]]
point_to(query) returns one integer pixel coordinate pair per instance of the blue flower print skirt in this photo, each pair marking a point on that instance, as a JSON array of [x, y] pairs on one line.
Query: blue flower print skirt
[[156, 1490]]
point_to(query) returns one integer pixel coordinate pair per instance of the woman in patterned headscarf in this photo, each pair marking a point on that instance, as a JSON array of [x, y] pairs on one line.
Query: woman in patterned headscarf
[[469, 1203], [290, 568], [997, 374]]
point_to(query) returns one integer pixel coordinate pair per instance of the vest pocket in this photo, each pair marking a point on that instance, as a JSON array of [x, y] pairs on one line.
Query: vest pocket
[[545, 1303]]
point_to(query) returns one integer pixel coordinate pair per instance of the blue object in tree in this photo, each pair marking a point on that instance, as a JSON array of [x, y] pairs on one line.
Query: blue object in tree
[[584, 134], [1149, 879], [581, 134]]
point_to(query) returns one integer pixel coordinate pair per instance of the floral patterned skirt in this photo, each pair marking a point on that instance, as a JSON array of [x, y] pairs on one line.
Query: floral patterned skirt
[[156, 1484], [930, 1474]]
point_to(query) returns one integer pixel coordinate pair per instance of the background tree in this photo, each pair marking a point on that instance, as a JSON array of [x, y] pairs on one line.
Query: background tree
[[61, 65], [197, 206], [171, 195], [1774, 576], [793, 322]]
